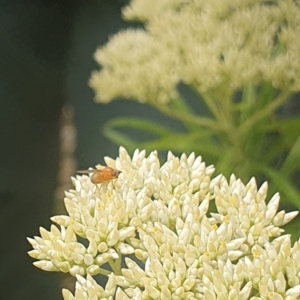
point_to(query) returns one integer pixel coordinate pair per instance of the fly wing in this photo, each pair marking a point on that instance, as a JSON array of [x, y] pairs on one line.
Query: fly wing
[[88, 171]]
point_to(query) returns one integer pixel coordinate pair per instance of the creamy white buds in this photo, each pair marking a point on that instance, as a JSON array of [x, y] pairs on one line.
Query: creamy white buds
[[182, 249]]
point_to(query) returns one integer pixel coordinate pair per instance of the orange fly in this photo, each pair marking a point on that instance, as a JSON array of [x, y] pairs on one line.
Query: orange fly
[[103, 175]]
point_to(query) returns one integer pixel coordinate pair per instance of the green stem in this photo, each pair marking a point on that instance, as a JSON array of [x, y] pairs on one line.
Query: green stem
[[264, 112], [223, 111], [187, 118], [214, 109], [104, 272], [116, 265]]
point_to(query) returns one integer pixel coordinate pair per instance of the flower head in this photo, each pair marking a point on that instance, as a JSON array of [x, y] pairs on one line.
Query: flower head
[[160, 215], [208, 45]]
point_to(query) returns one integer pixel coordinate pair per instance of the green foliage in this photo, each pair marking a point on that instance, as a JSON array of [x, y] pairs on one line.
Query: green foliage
[[242, 134]]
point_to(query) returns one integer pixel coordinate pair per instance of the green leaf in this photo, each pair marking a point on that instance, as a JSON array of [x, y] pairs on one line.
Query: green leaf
[[225, 163], [292, 162], [280, 137], [273, 150], [139, 125], [112, 130], [289, 129], [284, 186], [266, 94], [163, 139], [198, 142], [289, 126], [179, 104], [119, 138]]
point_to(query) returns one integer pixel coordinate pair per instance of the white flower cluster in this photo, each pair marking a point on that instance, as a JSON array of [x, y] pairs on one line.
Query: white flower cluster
[[189, 236], [208, 45]]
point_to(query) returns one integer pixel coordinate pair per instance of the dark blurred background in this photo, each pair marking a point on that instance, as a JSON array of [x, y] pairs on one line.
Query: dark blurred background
[[49, 125], [46, 59]]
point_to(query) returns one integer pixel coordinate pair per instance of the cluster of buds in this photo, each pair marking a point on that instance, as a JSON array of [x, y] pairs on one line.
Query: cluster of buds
[[171, 231]]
